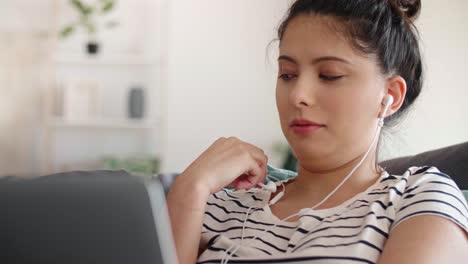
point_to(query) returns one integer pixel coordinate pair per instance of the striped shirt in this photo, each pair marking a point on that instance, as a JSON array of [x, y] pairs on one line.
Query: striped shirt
[[352, 232]]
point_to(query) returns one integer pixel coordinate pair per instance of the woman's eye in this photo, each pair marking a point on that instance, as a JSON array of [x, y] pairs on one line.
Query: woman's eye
[[286, 77], [330, 77]]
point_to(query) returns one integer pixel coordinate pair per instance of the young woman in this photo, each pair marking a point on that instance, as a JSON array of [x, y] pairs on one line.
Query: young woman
[[343, 64]]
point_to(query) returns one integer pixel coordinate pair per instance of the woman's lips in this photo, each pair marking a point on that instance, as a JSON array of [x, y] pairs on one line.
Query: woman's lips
[[305, 129]]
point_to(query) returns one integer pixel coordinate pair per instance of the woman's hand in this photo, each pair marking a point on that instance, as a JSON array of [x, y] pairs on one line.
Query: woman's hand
[[228, 162]]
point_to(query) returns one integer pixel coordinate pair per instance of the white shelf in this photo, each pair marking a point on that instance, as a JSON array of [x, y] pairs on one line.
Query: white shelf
[[110, 68], [100, 123], [103, 60]]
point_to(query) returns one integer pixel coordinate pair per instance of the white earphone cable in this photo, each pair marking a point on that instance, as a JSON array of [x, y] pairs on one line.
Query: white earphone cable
[[224, 260], [388, 102]]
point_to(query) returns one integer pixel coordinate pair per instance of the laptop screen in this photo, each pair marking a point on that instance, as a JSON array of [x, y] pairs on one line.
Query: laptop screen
[[84, 217]]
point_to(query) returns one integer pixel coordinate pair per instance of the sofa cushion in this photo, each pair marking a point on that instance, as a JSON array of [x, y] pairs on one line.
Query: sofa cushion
[[452, 160]]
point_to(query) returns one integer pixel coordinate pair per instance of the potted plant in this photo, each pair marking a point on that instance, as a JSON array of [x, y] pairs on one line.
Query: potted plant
[[89, 11]]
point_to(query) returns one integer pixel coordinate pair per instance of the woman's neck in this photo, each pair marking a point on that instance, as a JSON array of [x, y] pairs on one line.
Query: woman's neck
[[313, 184]]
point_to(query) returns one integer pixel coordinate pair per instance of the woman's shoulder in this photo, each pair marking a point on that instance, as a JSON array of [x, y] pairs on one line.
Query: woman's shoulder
[[427, 190], [421, 176]]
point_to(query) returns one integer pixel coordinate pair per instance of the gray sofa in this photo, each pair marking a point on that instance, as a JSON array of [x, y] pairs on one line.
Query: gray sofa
[[99, 217], [452, 160]]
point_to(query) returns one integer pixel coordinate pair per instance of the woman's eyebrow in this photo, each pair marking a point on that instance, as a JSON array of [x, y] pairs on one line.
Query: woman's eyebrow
[[287, 58], [316, 60]]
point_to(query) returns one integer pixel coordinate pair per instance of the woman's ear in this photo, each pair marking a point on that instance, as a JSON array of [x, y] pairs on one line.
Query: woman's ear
[[396, 87]]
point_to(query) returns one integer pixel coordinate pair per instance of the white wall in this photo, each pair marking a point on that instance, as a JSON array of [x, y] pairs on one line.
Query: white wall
[[219, 81], [219, 84], [23, 38]]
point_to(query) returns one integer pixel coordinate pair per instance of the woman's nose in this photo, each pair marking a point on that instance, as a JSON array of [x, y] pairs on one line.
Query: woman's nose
[[303, 93]]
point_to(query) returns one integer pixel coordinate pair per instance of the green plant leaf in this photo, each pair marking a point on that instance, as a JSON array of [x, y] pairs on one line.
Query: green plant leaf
[[67, 31], [89, 12], [77, 4], [85, 10], [90, 27], [107, 6]]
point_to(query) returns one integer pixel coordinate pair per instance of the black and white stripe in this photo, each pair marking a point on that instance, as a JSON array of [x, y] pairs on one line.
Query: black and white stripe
[[362, 224]]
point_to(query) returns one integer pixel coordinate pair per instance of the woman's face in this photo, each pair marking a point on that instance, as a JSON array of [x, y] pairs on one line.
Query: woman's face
[[322, 78]]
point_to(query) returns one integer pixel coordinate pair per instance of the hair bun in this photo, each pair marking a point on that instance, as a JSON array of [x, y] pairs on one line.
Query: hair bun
[[410, 8]]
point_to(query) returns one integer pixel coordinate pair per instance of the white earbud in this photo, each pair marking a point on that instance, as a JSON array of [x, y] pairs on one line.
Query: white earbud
[[270, 186], [387, 102]]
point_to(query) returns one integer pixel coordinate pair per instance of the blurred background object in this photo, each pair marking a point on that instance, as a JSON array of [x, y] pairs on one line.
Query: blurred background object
[[136, 102], [172, 76], [142, 166], [67, 106], [88, 20]]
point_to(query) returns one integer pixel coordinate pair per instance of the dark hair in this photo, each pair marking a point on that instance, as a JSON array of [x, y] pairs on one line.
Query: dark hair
[[381, 27]]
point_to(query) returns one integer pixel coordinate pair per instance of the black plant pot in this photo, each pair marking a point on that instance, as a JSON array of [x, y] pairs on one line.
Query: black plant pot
[[92, 47]]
